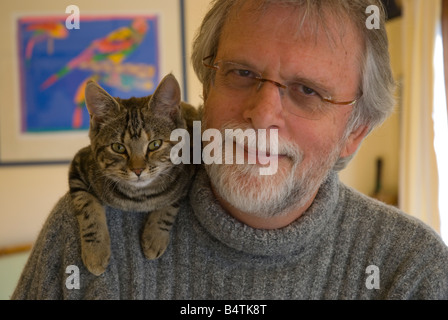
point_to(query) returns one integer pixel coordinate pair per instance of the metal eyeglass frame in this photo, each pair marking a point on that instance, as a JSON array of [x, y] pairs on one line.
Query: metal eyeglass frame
[[278, 84]]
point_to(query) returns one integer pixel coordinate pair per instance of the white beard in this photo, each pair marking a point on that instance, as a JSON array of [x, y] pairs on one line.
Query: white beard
[[290, 188]]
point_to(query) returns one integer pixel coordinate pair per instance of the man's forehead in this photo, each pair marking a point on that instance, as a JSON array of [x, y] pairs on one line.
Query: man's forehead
[[299, 20]]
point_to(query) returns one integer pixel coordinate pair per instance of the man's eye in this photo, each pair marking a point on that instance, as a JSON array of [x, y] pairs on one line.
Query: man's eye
[[307, 90], [244, 73], [303, 90]]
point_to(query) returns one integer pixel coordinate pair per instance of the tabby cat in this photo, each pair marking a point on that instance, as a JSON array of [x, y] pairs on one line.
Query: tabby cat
[[127, 166]]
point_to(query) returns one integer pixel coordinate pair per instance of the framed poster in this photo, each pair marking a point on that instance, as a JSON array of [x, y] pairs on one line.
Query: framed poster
[[53, 55]]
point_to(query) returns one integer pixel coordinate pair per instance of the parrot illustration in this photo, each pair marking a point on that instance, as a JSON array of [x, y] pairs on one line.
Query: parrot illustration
[[46, 31], [115, 47]]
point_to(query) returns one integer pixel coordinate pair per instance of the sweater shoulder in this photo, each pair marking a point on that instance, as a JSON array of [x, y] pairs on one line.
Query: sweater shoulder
[[406, 249], [63, 209], [381, 216]]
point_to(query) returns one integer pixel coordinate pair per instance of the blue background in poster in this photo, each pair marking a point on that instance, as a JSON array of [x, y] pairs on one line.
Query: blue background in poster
[[52, 109]]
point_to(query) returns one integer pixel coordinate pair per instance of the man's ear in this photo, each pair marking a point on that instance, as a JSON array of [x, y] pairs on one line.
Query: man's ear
[[354, 141]]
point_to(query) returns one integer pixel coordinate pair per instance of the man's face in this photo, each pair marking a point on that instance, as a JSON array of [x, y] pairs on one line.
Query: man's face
[[276, 45]]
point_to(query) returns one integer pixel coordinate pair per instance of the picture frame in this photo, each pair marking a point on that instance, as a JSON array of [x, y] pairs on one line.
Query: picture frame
[[47, 61]]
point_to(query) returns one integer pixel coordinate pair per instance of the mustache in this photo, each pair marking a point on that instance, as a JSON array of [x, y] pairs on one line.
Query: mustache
[[253, 139]]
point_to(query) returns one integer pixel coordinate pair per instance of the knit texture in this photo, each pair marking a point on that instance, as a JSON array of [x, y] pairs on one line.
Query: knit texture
[[322, 255]]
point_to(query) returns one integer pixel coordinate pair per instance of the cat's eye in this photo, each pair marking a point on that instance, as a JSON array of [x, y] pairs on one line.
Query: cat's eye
[[154, 145], [119, 148]]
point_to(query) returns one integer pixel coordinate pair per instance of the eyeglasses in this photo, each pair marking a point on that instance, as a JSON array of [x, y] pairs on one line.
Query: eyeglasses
[[237, 80]]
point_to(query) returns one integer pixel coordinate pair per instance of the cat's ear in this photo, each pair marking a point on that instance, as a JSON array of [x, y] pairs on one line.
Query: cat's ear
[[98, 102], [166, 99]]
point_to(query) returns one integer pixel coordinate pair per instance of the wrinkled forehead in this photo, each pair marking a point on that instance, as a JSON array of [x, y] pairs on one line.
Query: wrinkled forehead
[[320, 21]]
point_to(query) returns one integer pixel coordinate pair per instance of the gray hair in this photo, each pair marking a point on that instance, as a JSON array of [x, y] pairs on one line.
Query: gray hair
[[377, 83]]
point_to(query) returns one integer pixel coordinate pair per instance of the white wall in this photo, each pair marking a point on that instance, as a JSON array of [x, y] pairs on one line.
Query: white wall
[[27, 195], [194, 12]]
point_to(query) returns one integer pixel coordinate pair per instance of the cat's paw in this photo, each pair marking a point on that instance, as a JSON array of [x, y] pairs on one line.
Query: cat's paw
[[96, 257], [154, 243]]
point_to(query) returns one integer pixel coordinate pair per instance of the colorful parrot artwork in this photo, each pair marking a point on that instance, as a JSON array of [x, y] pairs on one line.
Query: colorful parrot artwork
[[46, 31], [120, 52], [103, 58], [115, 47]]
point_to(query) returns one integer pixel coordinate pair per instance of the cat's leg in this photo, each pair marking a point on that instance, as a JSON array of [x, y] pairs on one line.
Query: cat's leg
[[95, 239], [156, 234]]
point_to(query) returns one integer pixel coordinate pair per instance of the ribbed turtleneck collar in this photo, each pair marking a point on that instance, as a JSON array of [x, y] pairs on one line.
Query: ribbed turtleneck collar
[[292, 238]]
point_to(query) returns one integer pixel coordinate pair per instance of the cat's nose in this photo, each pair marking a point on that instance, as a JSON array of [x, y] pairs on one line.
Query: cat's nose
[[138, 171]]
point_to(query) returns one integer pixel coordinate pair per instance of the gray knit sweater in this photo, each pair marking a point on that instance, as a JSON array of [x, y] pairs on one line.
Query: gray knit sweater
[[325, 254]]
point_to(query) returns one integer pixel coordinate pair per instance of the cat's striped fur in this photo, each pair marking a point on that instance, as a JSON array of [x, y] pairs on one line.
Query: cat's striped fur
[[128, 166]]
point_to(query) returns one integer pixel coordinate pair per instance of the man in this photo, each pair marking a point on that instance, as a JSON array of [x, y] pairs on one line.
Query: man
[[311, 74]]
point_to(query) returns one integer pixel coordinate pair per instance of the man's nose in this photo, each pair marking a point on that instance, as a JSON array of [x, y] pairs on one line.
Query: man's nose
[[264, 108]]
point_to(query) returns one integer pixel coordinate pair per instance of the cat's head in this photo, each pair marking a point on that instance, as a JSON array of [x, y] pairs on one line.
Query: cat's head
[[130, 138]]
